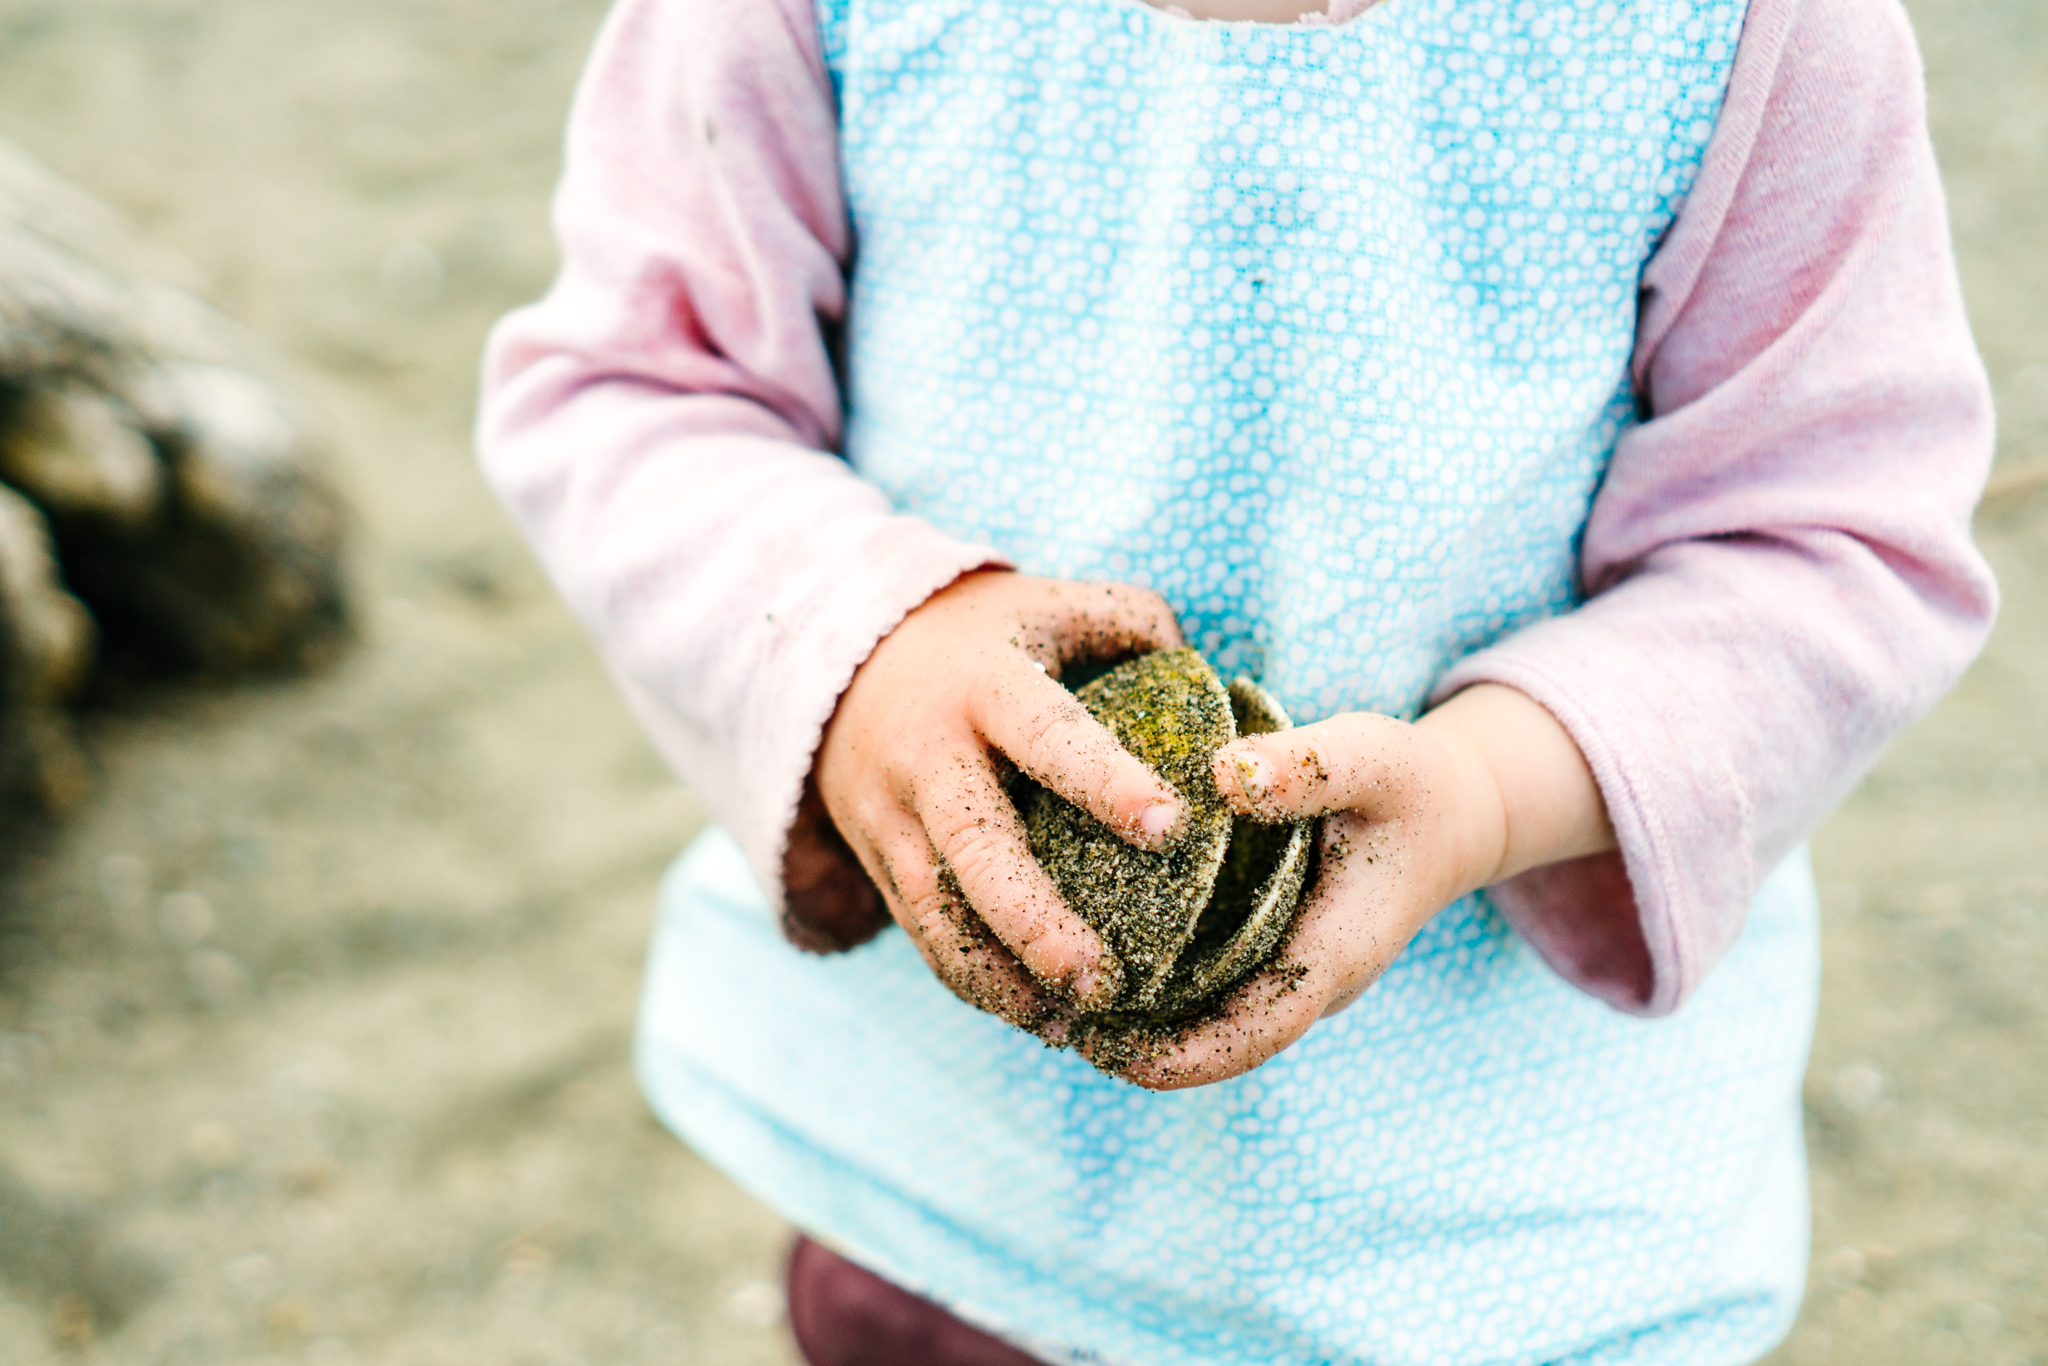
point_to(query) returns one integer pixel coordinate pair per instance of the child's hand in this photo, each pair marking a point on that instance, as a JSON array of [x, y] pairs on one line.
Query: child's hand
[[908, 773], [1485, 786]]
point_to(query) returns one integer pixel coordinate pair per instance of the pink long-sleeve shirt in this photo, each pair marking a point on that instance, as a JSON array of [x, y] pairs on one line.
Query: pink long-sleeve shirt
[[1778, 567]]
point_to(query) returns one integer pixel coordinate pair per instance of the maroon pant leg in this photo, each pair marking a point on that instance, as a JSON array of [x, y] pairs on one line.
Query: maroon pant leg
[[846, 1315]]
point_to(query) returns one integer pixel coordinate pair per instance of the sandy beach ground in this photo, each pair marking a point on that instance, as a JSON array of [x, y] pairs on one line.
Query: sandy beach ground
[[314, 1022]]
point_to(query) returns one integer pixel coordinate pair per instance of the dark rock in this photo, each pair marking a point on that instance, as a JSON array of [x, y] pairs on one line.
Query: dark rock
[[155, 474]]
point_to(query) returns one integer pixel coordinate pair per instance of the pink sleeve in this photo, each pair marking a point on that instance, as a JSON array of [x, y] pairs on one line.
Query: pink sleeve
[[1779, 564], [660, 424]]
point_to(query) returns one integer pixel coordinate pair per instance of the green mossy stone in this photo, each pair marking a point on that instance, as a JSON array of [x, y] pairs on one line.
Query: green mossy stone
[[1187, 924]]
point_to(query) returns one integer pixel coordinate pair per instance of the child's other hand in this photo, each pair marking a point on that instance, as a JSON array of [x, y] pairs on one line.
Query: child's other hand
[[1485, 786], [908, 773]]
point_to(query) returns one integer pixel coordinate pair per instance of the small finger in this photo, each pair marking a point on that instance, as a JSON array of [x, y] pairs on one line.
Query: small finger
[[1349, 762], [979, 969], [927, 901], [978, 834], [1043, 729]]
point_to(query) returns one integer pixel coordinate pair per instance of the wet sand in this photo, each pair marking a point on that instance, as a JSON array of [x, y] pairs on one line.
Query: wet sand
[[313, 1024]]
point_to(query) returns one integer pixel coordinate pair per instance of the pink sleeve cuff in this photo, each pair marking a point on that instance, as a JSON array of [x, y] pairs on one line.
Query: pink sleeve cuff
[[1637, 927], [1778, 566]]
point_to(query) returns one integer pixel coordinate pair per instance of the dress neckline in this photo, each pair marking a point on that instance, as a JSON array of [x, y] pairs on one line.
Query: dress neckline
[[1338, 12]]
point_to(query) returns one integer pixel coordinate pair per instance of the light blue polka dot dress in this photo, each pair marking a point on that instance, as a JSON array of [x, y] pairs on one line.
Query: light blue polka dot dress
[[1323, 332]]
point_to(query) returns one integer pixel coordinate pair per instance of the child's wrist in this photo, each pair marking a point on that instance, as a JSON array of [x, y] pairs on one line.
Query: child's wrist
[[1549, 806], [1476, 813]]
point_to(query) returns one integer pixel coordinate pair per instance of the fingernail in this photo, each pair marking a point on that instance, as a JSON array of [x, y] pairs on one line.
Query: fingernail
[[1159, 823], [1254, 774], [1089, 985]]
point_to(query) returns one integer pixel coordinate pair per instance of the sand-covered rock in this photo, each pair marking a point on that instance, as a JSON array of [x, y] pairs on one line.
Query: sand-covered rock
[[1188, 923]]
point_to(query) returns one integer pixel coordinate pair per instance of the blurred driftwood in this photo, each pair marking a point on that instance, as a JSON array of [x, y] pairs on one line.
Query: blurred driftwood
[[155, 482]]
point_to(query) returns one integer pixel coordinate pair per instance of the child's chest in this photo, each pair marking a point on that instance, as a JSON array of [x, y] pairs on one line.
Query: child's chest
[[1322, 331], [1476, 164]]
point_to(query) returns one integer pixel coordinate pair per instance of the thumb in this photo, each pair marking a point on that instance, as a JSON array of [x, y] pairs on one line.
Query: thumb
[[1347, 763]]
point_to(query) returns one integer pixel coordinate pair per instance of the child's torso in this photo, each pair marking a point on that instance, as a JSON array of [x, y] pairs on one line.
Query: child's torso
[[1321, 331]]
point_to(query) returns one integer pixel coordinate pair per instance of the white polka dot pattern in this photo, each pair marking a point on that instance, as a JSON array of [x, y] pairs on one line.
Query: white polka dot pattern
[[1323, 333], [1474, 1164]]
